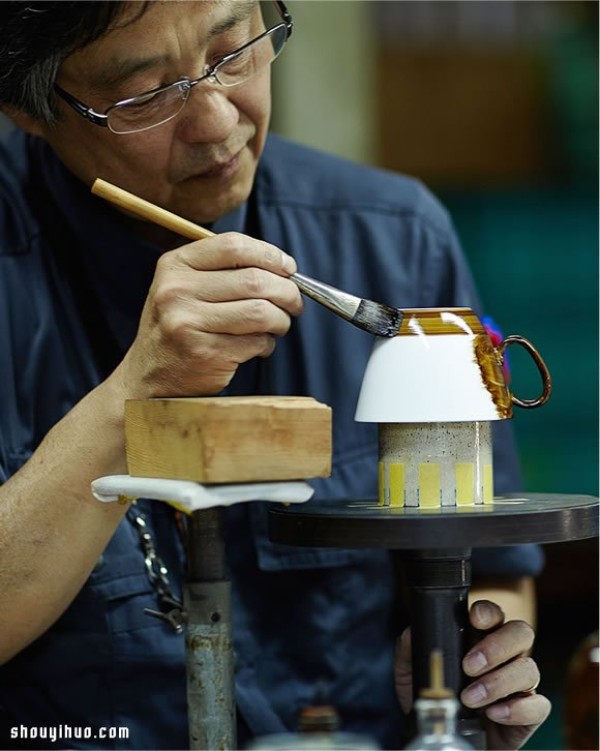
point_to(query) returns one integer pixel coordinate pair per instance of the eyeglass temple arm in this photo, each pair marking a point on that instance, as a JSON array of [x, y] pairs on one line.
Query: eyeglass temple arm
[[78, 106], [285, 14]]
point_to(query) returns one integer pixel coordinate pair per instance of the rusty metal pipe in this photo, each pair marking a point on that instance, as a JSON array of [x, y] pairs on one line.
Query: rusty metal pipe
[[209, 643]]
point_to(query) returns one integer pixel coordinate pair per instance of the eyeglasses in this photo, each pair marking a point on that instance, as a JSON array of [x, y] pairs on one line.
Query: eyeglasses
[[145, 111]]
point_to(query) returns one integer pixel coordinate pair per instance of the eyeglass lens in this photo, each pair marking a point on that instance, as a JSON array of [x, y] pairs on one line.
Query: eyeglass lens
[[149, 110]]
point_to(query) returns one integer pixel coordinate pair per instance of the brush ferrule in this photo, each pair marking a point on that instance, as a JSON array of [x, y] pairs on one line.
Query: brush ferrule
[[339, 302]]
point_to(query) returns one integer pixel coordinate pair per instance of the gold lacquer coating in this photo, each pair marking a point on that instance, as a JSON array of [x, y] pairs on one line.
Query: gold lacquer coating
[[490, 360], [490, 365], [432, 321]]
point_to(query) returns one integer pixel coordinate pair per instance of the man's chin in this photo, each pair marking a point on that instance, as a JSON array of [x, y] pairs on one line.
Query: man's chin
[[203, 200], [204, 207]]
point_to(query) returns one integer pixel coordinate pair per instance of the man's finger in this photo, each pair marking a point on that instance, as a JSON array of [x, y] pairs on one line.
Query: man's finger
[[507, 642], [520, 710], [484, 615], [403, 671], [232, 250], [242, 317], [520, 675]]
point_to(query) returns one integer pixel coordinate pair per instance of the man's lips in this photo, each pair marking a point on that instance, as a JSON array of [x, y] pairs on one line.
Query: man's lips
[[221, 169]]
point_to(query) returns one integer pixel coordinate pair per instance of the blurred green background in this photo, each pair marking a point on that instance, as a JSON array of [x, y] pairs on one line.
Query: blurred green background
[[494, 105]]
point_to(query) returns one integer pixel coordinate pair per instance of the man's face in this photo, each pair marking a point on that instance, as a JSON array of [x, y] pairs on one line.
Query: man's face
[[200, 165]]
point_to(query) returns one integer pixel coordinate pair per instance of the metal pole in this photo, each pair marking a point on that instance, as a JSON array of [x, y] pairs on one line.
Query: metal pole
[[439, 582], [209, 644]]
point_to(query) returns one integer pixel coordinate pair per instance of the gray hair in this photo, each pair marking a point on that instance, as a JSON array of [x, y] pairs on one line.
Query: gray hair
[[37, 37]]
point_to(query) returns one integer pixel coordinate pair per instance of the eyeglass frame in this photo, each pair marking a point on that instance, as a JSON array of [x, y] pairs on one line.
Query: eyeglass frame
[[101, 118]]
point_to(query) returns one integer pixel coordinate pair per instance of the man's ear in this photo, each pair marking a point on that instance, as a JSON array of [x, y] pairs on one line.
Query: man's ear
[[22, 120]]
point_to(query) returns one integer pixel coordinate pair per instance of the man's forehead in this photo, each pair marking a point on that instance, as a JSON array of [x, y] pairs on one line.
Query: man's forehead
[[132, 10], [231, 11], [115, 56]]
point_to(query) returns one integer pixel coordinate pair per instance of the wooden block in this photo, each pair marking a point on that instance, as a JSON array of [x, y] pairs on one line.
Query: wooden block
[[228, 439]]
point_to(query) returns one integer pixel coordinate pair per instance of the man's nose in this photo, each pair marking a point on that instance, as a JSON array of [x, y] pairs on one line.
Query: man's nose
[[209, 116]]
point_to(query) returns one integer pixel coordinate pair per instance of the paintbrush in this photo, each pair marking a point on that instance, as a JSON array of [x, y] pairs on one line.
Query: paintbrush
[[374, 317]]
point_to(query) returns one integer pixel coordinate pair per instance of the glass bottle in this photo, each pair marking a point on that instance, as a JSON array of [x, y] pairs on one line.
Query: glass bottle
[[436, 710]]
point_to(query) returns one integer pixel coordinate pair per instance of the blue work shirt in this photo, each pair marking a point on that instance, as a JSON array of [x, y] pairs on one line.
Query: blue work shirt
[[303, 617]]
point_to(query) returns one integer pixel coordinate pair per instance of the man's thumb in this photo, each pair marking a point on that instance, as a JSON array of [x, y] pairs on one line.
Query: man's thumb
[[403, 670]]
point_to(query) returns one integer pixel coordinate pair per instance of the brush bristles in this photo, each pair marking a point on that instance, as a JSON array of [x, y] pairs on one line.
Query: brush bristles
[[378, 319]]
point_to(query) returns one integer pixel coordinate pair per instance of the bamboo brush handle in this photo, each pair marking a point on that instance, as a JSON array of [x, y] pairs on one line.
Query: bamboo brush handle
[[146, 210]]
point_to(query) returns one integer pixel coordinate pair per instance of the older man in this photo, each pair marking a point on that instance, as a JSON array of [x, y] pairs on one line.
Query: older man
[[172, 101]]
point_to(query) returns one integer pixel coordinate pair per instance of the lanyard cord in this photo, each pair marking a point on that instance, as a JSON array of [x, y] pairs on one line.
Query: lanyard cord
[[171, 607]]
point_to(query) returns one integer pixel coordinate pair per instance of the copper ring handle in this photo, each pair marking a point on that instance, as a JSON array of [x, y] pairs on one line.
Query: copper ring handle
[[541, 366]]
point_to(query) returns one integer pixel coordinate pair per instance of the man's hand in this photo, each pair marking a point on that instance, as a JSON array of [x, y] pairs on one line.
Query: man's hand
[[505, 678], [213, 304]]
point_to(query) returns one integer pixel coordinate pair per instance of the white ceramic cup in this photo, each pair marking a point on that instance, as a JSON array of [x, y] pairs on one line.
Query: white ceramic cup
[[434, 390], [441, 367]]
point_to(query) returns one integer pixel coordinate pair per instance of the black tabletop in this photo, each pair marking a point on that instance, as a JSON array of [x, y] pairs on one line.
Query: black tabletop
[[509, 520]]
